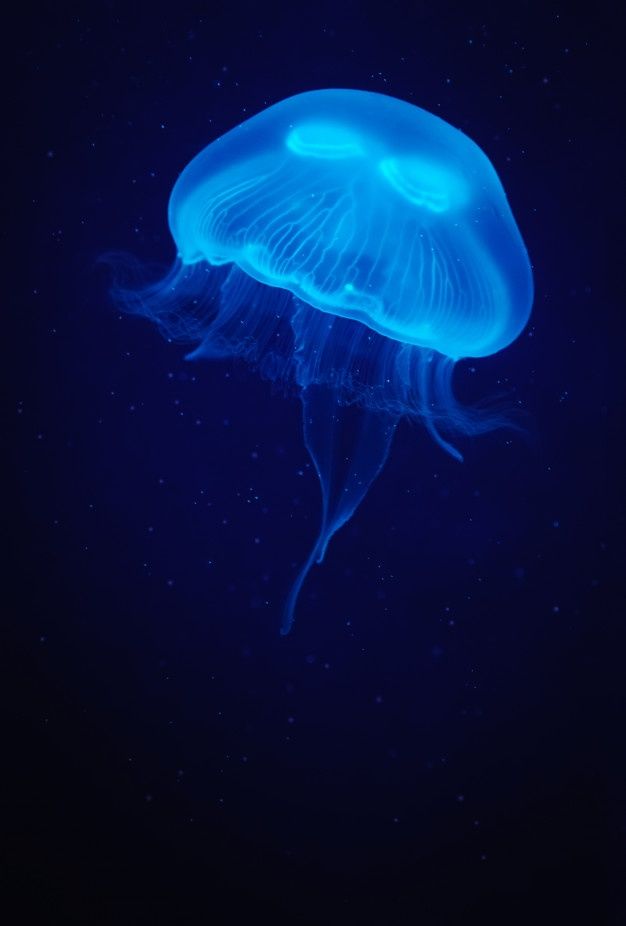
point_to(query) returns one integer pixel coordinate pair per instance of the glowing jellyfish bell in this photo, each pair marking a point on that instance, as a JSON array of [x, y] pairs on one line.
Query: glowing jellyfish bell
[[354, 246]]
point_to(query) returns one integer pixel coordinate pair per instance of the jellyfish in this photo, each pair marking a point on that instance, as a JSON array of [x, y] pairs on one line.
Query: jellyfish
[[351, 247]]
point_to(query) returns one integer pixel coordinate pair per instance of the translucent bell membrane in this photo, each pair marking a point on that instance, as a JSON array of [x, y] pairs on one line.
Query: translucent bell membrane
[[366, 207]]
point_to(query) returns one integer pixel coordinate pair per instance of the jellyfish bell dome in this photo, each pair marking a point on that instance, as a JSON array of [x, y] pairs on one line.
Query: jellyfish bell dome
[[365, 207]]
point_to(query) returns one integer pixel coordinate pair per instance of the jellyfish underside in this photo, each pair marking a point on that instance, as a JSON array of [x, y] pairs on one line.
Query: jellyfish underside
[[350, 247]]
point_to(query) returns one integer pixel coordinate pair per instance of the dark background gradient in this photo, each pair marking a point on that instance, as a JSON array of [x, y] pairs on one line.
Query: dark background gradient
[[440, 739]]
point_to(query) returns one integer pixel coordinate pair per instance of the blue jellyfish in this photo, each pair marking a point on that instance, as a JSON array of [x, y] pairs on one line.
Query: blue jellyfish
[[352, 247]]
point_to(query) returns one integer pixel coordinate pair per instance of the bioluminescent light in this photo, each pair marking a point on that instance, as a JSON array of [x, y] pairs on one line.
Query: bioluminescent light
[[352, 246]]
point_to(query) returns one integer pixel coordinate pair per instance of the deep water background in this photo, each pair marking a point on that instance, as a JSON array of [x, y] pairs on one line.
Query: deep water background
[[440, 739]]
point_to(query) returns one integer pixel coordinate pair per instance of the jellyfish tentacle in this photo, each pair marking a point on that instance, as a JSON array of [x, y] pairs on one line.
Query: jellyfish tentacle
[[348, 446], [292, 598], [427, 371]]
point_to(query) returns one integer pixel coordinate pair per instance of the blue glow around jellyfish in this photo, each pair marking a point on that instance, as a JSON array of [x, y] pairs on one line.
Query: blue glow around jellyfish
[[351, 246]]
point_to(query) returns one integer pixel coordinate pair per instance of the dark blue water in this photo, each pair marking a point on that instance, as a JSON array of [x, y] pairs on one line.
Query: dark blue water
[[438, 740]]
